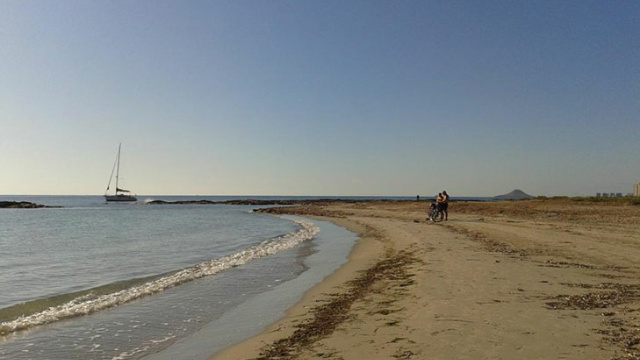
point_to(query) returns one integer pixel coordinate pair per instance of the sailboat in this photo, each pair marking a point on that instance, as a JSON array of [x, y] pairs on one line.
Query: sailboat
[[120, 194]]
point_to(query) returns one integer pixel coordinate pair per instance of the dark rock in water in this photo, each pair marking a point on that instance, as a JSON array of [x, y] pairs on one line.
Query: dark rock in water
[[256, 202], [19, 205], [182, 202], [516, 194], [227, 202]]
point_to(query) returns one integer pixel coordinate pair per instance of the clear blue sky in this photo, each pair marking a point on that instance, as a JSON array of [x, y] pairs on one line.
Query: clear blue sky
[[320, 97]]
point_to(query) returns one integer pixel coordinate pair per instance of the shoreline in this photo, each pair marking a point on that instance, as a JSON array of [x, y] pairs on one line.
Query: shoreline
[[368, 246], [535, 279]]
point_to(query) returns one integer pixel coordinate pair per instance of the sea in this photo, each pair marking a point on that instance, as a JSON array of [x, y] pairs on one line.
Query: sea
[[94, 280]]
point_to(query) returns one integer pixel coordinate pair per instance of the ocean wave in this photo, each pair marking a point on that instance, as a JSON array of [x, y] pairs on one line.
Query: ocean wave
[[90, 303]]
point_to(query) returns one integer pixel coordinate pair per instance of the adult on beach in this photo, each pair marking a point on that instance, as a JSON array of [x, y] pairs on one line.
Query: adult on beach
[[444, 205]]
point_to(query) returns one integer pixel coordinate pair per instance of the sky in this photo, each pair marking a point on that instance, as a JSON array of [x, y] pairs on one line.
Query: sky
[[332, 97]]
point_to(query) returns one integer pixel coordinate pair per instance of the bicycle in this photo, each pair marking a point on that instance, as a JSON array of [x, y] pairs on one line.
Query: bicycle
[[435, 214]]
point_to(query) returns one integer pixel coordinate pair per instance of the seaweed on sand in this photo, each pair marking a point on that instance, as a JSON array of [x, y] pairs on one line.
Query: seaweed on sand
[[622, 331], [327, 317]]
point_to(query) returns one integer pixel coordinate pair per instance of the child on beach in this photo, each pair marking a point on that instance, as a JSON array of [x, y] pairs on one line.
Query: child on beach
[[432, 208], [435, 206]]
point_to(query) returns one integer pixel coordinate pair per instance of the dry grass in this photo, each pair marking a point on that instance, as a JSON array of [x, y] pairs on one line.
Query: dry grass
[[612, 213]]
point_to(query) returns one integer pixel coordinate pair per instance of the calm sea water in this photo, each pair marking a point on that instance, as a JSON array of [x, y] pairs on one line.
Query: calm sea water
[[92, 280]]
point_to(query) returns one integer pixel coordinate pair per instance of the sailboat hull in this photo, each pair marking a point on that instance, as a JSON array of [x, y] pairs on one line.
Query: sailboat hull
[[122, 198]]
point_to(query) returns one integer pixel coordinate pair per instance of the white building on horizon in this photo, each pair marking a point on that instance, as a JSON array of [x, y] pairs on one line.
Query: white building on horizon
[[636, 190]]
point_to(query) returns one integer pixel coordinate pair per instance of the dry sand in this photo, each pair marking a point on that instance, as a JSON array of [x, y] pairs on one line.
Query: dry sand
[[532, 279]]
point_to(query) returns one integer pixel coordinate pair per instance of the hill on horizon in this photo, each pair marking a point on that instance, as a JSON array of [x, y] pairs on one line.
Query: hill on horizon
[[516, 194]]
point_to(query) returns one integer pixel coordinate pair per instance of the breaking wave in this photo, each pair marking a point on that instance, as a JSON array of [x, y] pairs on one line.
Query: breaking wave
[[92, 302]]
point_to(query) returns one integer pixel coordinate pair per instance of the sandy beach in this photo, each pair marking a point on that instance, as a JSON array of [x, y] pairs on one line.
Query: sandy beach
[[535, 279]]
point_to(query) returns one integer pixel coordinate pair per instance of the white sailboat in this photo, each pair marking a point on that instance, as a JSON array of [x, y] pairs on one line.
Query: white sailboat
[[120, 194]]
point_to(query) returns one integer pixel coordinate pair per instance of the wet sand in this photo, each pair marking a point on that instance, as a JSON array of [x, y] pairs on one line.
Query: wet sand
[[553, 279]]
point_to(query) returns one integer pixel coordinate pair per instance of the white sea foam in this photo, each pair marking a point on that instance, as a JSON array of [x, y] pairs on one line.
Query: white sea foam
[[88, 304]]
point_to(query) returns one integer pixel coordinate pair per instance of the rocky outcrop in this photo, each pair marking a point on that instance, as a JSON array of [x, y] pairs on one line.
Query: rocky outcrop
[[20, 205], [260, 202], [228, 202]]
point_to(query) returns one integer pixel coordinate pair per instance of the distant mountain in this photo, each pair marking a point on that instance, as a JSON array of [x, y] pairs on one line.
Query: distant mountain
[[516, 194]]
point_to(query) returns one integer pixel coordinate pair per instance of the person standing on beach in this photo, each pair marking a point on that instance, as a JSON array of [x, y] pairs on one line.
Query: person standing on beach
[[439, 200], [445, 205]]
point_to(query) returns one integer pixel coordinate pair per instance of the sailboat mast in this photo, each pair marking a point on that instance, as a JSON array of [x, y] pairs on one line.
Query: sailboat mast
[[118, 169]]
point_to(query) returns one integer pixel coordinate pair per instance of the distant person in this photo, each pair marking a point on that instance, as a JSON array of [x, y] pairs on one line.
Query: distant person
[[417, 197], [445, 205]]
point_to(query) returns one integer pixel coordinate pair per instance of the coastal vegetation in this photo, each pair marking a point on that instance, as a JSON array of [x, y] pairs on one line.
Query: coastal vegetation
[[626, 200]]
